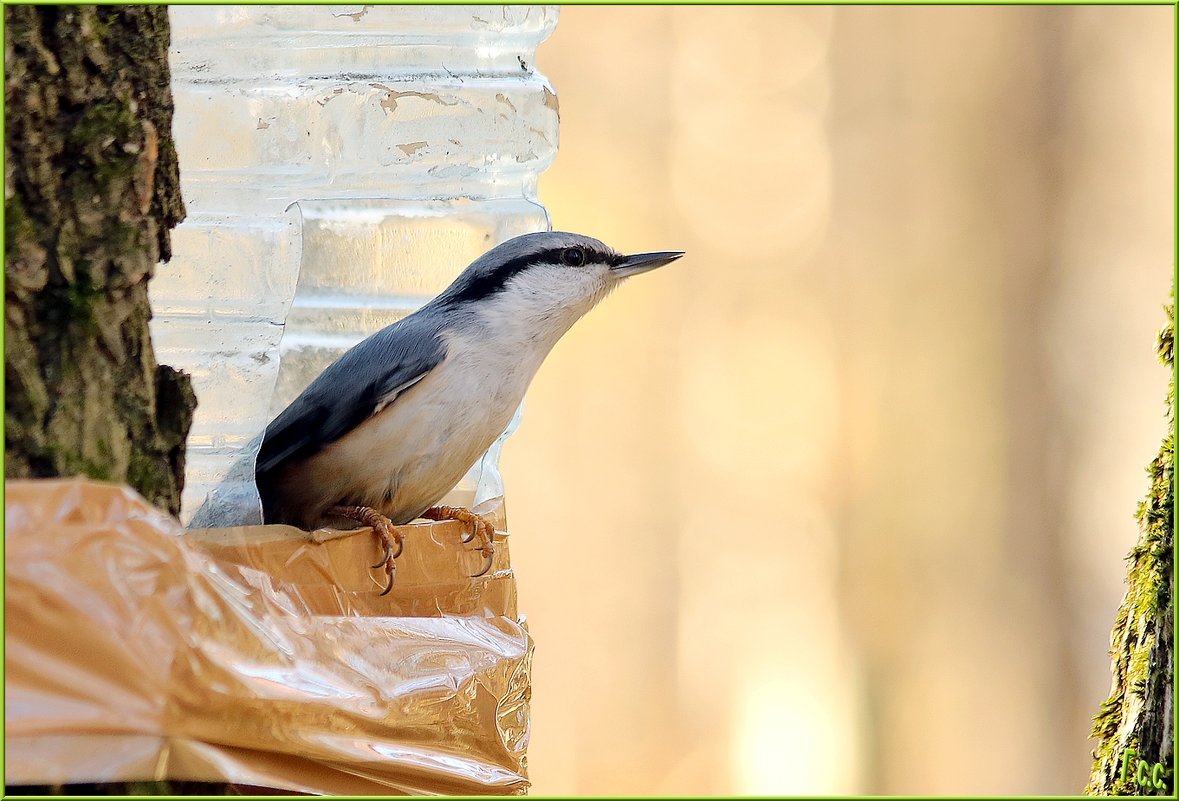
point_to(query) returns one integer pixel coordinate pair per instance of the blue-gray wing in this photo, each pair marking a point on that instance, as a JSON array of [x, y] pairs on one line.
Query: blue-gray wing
[[364, 380]]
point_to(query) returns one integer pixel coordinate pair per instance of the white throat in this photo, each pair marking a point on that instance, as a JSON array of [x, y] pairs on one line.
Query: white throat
[[537, 307]]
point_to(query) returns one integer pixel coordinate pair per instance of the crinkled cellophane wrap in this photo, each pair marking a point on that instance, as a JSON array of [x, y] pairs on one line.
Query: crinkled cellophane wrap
[[260, 655]]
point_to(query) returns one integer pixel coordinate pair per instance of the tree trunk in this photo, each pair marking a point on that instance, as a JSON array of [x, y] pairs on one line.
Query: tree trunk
[[1136, 722], [91, 192]]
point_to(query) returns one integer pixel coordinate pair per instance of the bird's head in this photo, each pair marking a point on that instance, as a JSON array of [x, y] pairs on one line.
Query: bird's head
[[551, 277]]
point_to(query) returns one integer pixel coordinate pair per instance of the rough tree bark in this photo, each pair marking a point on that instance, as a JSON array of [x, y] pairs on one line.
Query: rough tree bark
[[91, 191], [1136, 722]]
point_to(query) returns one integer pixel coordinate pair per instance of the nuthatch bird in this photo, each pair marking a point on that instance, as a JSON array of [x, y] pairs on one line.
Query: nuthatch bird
[[393, 424]]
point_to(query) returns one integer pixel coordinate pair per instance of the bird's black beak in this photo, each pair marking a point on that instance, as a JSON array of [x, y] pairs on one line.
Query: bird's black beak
[[642, 262]]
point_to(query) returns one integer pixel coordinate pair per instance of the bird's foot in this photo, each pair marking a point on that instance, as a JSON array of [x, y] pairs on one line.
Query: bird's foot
[[480, 527], [386, 532]]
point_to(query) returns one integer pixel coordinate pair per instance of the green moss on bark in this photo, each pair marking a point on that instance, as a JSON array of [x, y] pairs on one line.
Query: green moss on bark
[[1138, 717]]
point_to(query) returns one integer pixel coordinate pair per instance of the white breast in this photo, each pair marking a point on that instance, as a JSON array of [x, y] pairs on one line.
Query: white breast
[[413, 451]]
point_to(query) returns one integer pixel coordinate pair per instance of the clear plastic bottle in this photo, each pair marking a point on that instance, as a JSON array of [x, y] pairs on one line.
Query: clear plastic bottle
[[340, 165]]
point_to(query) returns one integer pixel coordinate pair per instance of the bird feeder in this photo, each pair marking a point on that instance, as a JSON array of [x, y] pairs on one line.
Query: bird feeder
[[339, 166]]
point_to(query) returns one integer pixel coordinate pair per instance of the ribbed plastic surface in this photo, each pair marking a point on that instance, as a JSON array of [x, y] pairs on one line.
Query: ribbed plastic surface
[[340, 165]]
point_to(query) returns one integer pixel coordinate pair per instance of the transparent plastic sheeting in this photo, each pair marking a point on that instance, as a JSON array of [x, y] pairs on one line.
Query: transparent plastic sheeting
[[258, 655]]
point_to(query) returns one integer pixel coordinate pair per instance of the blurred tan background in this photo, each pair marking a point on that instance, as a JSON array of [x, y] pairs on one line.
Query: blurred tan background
[[838, 503]]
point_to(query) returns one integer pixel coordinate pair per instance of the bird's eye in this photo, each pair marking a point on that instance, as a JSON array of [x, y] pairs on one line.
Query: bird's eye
[[574, 257]]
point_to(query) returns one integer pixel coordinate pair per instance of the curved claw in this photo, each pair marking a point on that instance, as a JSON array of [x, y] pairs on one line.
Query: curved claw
[[389, 586], [385, 558], [384, 529], [466, 538], [387, 562], [489, 554]]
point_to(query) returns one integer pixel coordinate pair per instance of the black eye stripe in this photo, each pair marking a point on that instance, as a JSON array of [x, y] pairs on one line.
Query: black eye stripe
[[480, 286], [589, 255]]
